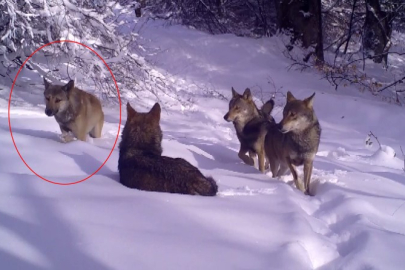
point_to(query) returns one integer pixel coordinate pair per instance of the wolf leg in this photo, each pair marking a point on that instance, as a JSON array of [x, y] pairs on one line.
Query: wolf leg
[[294, 173], [80, 133], [96, 131], [266, 163], [252, 155], [82, 136], [242, 155], [307, 175], [274, 164], [261, 160], [282, 169]]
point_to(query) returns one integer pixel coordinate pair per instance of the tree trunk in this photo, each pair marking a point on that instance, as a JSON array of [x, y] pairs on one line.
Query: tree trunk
[[303, 18], [349, 35], [319, 39], [377, 32]]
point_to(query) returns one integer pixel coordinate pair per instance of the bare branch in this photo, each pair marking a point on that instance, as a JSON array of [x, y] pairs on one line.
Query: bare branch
[[392, 84], [371, 134]]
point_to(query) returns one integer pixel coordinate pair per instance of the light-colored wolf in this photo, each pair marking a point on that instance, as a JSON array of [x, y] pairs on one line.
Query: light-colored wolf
[[295, 140], [75, 111]]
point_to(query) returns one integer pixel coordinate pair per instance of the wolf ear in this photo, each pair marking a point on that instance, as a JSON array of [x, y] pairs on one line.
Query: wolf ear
[[47, 84], [290, 97], [155, 112], [130, 111], [247, 95], [69, 86], [309, 101], [234, 93]]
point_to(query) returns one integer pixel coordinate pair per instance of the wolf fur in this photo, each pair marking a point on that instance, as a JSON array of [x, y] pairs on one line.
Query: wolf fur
[[251, 126], [75, 110], [295, 140], [142, 166]]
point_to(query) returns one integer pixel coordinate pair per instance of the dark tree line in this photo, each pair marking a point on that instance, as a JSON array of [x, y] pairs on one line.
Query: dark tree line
[[245, 18], [351, 30], [358, 32], [321, 24], [303, 18]]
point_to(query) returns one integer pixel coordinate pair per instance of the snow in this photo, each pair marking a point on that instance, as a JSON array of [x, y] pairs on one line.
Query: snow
[[356, 220]]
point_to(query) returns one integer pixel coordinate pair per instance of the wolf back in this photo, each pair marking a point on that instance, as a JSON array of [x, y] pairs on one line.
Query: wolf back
[[142, 166]]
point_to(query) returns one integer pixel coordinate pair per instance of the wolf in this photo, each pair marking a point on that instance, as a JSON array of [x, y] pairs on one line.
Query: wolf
[[75, 111], [142, 166], [295, 140], [251, 126]]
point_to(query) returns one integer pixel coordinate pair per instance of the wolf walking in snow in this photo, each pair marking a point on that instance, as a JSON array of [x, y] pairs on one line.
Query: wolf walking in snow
[[295, 140], [142, 166], [75, 111], [251, 126]]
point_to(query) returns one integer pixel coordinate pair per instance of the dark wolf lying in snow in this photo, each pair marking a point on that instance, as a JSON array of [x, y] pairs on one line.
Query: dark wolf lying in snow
[[142, 166]]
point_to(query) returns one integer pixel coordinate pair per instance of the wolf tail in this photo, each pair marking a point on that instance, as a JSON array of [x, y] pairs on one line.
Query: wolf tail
[[206, 187]]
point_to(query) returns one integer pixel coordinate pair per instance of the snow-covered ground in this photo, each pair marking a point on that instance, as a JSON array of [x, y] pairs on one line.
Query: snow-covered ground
[[356, 220]]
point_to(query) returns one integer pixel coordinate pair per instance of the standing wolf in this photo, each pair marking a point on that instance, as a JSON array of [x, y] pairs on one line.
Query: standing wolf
[[75, 110], [142, 166], [250, 125], [295, 140]]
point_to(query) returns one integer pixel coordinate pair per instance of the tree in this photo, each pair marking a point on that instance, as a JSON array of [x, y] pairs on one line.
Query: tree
[[28, 24], [31, 24], [244, 18], [377, 31], [303, 20]]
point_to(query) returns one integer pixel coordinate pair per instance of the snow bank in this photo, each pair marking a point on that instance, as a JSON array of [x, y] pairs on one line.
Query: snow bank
[[356, 220]]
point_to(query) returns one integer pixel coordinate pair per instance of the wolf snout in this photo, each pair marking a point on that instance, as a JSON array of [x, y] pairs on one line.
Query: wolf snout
[[49, 112], [281, 128], [226, 117]]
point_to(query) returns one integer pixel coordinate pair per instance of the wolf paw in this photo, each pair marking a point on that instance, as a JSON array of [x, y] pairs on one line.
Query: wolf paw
[[250, 162], [306, 192], [300, 186], [67, 138]]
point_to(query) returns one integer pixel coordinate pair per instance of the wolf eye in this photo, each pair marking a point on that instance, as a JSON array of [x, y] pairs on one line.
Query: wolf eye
[[236, 107], [47, 98], [57, 100], [292, 114]]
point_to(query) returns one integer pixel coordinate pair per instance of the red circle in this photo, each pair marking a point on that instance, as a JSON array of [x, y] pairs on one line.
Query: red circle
[[9, 102]]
